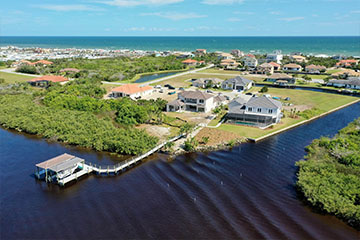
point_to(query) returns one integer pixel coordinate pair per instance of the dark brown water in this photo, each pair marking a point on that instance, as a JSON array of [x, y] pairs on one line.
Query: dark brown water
[[245, 193]]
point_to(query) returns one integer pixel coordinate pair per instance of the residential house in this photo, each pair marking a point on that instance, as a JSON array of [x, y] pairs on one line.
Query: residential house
[[257, 111], [347, 63], [276, 66], [43, 62], [237, 53], [222, 56], [200, 52], [351, 82], [133, 91], [250, 62], [276, 77], [190, 62], [21, 62], [298, 58], [276, 56], [238, 83], [204, 82], [229, 64], [44, 81], [345, 73], [315, 68], [265, 68], [291, 67], [196, 101]]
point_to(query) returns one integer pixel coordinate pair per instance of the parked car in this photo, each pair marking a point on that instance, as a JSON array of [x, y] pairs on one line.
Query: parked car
[[171, 93], [161, 91], [181, 89], [249, 93], [171, 87], [157, 86], [209, 91]]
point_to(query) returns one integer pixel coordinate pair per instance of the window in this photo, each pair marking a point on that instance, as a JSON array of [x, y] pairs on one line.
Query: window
[[259, 110], [270, 111], [250, 109], [201, 100]]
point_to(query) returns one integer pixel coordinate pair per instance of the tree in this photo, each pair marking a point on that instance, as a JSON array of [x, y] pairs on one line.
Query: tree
[[186, 128], [264, 89], [27, 69], [190, 144]]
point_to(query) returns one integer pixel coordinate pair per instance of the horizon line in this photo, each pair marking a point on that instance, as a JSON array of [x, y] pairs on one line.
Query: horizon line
[[178, 36]]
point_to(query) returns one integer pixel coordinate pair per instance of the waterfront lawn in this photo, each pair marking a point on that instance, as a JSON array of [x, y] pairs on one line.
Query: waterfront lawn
[[214, 70], [14, 78], [322, 101]]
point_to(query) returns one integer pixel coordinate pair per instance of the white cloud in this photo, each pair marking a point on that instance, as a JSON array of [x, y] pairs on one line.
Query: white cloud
[[69, 7], [275, 13], [234, 19], [221, 2], [174, 16], [134, 3], [291, 19]]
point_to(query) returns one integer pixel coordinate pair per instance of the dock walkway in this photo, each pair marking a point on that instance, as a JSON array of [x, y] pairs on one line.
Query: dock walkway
[[88, 168]]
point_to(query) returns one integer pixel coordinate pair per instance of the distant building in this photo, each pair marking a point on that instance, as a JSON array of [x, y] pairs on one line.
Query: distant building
[[345, 73], [257, 111], [298, 58], [237, 53], [238, 83], [200, 52], [265, 68], [351, 82], [222, 56], [195, 101], [44, 81], [250, 62], [229, 63], [347, 63], [280, 77], [203, 82], [276, 56], [133, 91], [291, 67], [276, 66], [315, 68], [190, 62]]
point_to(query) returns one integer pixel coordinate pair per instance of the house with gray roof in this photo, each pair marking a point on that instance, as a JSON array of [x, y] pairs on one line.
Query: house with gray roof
[[280, 76], [256, 111], [238, 83], [204, 82], [350, 82], [195, 101]]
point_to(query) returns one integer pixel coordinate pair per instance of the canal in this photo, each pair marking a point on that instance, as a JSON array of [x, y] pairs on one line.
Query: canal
[[245, 193], [149, 77]]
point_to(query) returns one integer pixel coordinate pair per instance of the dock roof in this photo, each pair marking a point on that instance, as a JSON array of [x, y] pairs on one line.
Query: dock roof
[[60, 162]]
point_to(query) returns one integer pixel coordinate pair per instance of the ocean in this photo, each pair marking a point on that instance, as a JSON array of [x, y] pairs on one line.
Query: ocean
[[349, 46]]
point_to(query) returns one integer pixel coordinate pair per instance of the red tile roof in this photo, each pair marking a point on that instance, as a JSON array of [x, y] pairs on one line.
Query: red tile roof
[[274, 64], [49, 78], [43, 62], [189, 61], [131, 88]]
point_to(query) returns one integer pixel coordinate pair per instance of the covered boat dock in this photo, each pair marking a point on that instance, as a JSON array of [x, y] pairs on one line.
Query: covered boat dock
[[60, 168]]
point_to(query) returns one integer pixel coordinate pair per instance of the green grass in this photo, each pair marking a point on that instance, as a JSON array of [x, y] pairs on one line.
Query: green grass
[[333, 71], [13, 78], [318, 76], [322, 101], [213, 70]]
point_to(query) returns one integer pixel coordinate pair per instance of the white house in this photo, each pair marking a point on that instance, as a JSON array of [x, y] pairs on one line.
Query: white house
[[204, 82], [196, 101], [132, 91], [238, 83], [276, 56], [257, 111], [250, 62]]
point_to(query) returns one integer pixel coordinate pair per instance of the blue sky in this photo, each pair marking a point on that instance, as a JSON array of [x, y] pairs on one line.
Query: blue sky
[[180, 18]]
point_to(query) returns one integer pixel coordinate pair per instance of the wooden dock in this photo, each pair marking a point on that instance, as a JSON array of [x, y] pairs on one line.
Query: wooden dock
[[110, 170]]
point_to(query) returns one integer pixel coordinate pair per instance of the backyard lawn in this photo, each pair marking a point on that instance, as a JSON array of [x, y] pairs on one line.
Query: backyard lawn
[[13, 78]]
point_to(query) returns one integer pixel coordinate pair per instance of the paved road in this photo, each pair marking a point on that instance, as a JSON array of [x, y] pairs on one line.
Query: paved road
[[166, 78], [12, 70]]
